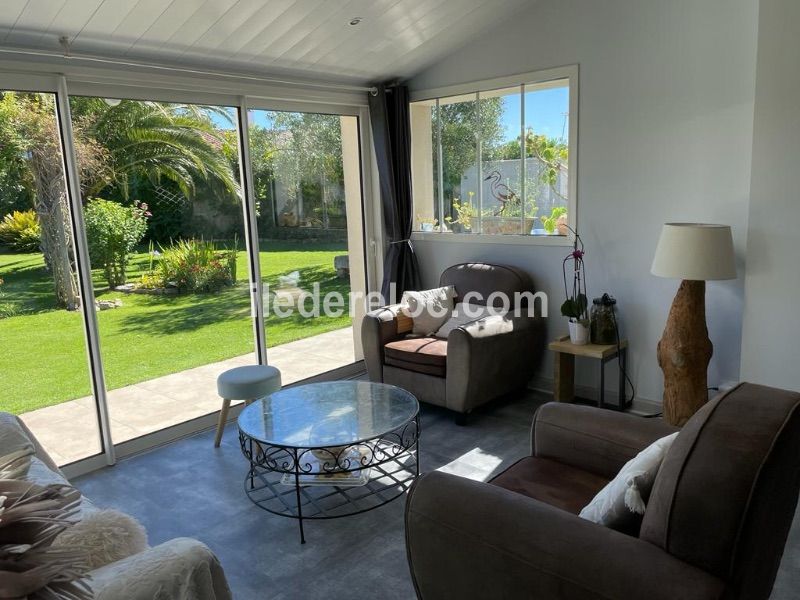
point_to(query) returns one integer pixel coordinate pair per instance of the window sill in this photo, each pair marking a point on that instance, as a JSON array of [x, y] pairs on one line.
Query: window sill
[[479, 238]]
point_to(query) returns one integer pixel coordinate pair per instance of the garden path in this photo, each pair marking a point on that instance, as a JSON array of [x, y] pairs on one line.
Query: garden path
[[68, 431]]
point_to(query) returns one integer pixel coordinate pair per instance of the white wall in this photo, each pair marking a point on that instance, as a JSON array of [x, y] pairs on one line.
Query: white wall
[[665, 134], [772, 286]]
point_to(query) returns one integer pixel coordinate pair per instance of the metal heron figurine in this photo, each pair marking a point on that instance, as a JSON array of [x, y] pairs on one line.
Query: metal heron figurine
[[501, 192]]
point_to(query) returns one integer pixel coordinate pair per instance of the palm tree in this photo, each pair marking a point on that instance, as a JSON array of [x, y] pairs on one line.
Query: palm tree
[[114, 144], [155, 141]]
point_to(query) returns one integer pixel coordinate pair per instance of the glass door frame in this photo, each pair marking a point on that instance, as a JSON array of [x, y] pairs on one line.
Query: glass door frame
[[371, 229], [56, 85], [62, 86]]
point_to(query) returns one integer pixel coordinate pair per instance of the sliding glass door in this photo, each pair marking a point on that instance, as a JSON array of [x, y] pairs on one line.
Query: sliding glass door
[[307, 183], [164, 223], [44, 373], [160, 242]]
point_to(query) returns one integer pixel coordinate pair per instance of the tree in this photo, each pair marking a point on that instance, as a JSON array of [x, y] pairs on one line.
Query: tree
[[307, 156], [262, 161], [155, 141], [115, 146], [113, 231], [31, 144], [458, 130], [551, 155]]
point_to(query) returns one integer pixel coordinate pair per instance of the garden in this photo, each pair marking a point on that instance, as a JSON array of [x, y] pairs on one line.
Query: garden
[[44, 356], [163, 220]]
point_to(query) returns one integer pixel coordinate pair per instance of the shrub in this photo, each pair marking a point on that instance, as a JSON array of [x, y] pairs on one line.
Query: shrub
[[193, 266], [7, 309], [20, 231], [113, 230]]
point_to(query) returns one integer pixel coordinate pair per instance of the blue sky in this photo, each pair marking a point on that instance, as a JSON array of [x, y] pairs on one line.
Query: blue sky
[[544, 113]]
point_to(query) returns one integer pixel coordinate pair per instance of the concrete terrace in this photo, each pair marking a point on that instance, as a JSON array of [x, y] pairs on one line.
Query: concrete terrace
[[69, 431]]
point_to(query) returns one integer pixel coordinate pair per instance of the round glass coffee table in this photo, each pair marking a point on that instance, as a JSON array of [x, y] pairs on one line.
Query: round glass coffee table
[[329, 450]]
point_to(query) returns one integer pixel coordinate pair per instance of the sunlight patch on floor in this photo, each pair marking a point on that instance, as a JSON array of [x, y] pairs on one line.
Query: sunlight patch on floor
[[475, 464]]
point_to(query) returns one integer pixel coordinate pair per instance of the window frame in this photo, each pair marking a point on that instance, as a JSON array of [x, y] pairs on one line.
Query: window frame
[[571, 74], [73, 80]]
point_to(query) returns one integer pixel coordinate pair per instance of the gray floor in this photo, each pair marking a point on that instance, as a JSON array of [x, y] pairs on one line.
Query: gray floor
[[190, 489]]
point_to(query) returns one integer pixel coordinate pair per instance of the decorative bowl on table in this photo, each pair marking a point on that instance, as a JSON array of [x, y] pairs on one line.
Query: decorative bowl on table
[[331, 459]]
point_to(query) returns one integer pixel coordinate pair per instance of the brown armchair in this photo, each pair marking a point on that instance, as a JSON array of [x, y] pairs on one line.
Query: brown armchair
[[715, 524], [477, 363]]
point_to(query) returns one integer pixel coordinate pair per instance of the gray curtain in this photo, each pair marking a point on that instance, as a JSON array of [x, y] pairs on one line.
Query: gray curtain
[[391, 133]]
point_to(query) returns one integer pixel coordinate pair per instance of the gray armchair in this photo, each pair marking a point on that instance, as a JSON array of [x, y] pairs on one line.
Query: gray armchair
[[715, 524], [477, 363]]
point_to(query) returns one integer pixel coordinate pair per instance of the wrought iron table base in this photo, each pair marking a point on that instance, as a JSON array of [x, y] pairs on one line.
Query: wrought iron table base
[[392, 460]]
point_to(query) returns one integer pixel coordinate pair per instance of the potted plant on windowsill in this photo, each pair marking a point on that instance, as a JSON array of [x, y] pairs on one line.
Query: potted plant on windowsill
[[426, 224], [466, 211], [575, 307], [556, 223]]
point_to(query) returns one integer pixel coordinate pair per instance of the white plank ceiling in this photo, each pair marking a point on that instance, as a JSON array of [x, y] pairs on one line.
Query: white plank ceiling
[[312, 38]]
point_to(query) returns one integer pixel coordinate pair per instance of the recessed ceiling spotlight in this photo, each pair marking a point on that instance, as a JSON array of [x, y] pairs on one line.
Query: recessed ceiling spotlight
[[355, 20]]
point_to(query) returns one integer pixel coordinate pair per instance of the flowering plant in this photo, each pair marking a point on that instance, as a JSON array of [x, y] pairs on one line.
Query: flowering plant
[[192, 266], [113, 230], [576, 305]]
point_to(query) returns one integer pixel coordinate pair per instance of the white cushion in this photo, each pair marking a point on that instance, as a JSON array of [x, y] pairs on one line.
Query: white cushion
[[106, 536], [429, 309], [625, 496], [466, 313]]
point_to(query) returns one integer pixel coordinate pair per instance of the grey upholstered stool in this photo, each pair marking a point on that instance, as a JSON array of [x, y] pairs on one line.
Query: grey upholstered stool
[[244, 383]]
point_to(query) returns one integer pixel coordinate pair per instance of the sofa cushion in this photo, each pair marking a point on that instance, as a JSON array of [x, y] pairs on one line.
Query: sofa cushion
[[429, 309], [551, 482], [463, 314], [621, 503], [420, 354], [436, 370]]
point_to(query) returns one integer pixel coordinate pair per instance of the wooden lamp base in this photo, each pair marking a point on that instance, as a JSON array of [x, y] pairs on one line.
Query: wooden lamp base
[[684, 353]]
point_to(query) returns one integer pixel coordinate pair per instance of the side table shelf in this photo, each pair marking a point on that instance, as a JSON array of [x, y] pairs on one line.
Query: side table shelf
[[564, 353]]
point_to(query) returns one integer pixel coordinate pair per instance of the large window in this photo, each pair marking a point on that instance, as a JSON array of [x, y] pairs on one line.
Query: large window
[[144, 245], [44, 376], [306, 179], [499, 160], [164, 222]]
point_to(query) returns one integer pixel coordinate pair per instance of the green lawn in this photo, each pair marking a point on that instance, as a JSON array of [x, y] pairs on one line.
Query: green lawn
[[42, 351]]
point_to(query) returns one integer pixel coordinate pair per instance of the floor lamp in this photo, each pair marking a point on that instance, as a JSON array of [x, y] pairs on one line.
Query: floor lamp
[[694, 253]]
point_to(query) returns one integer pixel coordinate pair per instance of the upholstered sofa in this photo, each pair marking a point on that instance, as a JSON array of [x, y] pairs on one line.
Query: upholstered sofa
[[478, 362], [180, 569], [715, 524]]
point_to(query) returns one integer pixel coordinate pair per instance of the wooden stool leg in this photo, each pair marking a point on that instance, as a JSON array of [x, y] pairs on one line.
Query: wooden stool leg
[[563, 377], [223, 418]]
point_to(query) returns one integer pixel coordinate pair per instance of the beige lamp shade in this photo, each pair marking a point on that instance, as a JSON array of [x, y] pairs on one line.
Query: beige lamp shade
[[695, 251]]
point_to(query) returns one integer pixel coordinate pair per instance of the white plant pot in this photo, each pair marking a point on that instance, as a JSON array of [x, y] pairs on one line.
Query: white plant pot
[[578, 333]]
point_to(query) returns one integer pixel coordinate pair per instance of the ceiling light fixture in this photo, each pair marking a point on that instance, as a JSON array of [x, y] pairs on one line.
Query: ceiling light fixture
[[355, 20]]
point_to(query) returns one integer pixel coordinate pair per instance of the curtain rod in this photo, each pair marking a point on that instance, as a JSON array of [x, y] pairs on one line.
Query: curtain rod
[[67, 55]]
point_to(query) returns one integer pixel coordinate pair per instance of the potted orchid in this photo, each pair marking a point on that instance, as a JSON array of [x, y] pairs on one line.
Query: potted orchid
[[576, 306]]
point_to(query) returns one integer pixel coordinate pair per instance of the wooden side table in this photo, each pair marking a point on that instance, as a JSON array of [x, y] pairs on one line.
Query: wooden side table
[[564, 368]]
